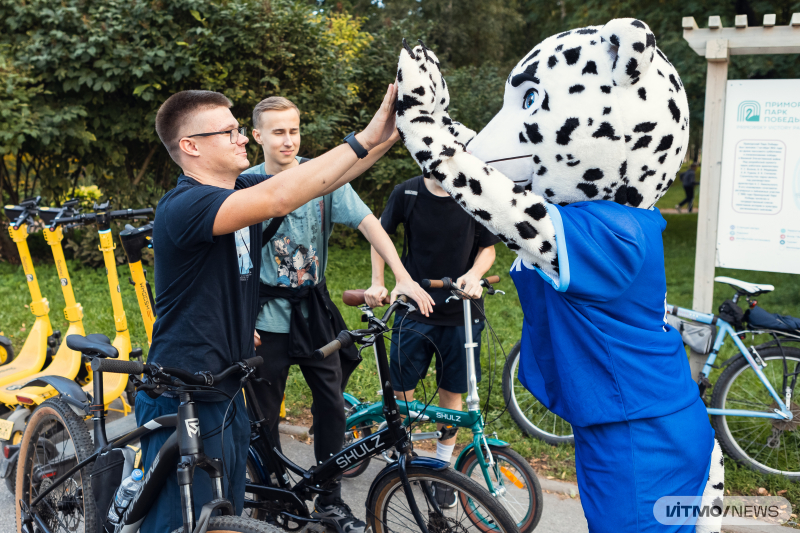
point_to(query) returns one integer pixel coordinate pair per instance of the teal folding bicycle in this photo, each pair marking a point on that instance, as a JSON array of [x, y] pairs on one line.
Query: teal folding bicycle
[[487, 460], [752, 407]]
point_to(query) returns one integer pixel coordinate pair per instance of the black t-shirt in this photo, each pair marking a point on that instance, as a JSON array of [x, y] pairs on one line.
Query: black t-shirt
[[440, 236], [207, 286]]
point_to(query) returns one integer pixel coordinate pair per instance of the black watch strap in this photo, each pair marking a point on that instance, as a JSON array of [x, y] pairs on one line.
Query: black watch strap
[[360, 151]]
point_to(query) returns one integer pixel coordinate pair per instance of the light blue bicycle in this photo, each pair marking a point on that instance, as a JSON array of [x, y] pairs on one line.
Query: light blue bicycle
[[752, 406]]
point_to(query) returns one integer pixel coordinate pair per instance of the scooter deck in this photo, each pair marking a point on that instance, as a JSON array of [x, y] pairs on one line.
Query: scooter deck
[[66, 363], [31, 358]]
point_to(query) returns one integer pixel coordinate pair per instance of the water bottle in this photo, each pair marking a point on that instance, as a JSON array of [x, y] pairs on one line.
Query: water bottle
[[125, 493]]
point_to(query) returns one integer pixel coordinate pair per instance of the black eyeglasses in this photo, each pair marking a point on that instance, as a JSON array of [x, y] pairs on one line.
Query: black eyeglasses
[[234, 134]]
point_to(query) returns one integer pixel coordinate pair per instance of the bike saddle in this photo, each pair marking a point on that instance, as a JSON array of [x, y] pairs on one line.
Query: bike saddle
[[752, 289], [94, 345]]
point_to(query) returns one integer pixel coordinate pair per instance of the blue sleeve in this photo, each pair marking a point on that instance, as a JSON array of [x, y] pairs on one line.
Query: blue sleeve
[[190, 214], [347, 208], [600, 247]]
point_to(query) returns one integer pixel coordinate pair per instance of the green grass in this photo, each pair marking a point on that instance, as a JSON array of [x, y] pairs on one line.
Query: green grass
[[91, 291], [350, 269]]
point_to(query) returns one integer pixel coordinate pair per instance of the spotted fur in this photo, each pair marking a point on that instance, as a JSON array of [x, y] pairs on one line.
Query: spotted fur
[[714, 491]]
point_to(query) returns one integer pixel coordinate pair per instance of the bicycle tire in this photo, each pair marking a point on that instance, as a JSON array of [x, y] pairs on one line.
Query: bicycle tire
[[352, 435], [44, 444], [526, 514], [236, 524], [523, 407], [252, 473], [490, 516], [739, 376]]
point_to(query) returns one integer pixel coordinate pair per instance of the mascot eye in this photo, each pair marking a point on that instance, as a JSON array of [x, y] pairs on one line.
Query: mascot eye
[[529, 99]]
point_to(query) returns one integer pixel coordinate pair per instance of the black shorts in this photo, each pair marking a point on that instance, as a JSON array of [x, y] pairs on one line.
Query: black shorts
[[416, 351]]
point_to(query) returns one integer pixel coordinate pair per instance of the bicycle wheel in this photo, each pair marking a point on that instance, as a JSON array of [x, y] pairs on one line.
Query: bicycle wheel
[[475, 510], [54, 441], [766, 445], [253, 475], [236, 524], [353, 434], [516, 485], [531, 416]]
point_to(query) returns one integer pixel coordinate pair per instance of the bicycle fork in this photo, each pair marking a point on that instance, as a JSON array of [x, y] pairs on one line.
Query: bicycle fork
[[192, 456], [391, 414]]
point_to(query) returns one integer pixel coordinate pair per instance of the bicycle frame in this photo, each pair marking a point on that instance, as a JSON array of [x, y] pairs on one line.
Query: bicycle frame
[[412, 410], [320, 479], [183, 447], [725, 330]]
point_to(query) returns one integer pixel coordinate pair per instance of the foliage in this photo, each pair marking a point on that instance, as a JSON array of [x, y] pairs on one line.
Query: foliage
[[102, 67]]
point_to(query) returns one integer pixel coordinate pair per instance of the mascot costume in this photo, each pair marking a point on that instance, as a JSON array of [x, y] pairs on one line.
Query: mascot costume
[[593, 129]]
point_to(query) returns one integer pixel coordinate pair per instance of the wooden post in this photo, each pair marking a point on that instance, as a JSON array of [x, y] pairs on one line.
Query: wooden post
[[717, 55]]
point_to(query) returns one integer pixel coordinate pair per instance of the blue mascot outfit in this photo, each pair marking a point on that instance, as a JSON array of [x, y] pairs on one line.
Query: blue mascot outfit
[[593, 129]]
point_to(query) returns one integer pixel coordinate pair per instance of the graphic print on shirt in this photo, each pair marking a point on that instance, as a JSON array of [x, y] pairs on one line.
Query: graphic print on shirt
[[297, 265], [242, 238]]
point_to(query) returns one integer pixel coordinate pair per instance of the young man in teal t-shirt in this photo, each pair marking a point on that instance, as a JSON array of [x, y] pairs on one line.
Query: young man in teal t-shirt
[[293, 262]]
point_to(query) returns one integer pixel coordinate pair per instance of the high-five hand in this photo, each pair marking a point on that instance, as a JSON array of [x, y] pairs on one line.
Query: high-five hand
[[382, 126]]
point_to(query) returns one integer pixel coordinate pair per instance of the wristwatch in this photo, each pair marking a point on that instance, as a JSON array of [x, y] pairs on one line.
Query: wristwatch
[[360, 151]]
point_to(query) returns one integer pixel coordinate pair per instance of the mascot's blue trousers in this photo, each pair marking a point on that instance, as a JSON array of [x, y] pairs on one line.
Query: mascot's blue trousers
[[650, 458]]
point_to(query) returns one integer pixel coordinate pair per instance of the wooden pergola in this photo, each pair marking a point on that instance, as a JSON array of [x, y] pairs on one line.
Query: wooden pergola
[[717, 44]]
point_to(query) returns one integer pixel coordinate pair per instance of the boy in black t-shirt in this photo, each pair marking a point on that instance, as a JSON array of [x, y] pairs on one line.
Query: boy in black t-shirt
[[443, 241]]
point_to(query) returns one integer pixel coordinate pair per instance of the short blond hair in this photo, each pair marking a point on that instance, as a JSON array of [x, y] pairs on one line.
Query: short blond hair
[[273, 103]]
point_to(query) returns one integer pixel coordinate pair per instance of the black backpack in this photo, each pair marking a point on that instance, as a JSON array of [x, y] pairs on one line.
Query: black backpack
[[410, 191]]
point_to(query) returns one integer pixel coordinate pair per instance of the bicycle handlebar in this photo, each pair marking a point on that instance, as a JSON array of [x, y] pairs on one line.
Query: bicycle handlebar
[[90, 218], [355, 297], [345, 339], [116, 366], [449, 284]]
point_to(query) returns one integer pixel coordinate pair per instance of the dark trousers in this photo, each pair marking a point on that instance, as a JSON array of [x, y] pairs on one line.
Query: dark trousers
[[165, 515], [689, 197], [324, 378]]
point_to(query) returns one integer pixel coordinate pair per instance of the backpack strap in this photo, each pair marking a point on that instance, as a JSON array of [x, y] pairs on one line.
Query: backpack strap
[[272, 227], [410, 192]]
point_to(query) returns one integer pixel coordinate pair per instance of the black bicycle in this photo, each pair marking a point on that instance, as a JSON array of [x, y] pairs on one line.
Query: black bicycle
[[401, 496], [66, 483]]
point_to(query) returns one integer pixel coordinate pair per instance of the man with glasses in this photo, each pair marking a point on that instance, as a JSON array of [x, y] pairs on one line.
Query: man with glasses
[[207, 239]]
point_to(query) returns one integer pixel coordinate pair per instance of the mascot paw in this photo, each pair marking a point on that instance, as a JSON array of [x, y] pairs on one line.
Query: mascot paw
[[422, 102]]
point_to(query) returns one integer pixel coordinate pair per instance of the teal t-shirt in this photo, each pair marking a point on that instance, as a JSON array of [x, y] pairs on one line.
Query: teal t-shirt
[[298, 253]]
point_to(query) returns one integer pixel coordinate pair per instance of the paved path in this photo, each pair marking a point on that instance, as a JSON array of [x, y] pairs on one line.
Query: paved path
[[562, 513]]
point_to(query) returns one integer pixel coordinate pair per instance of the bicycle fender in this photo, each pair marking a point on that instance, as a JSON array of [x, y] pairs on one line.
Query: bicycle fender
[[224, 506], [425, 462], [350, 398], [7, 465], [497, 443], [70, 391]]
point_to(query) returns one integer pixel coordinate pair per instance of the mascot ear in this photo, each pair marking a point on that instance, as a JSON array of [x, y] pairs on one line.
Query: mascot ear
[[631, 47]]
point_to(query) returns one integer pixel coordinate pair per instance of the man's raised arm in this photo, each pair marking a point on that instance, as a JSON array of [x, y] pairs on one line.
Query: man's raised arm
[[285, 192]]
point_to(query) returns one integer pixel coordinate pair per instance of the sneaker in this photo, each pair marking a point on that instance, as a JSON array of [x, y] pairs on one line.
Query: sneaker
[[678, 208], [445, 495], [339, 516]]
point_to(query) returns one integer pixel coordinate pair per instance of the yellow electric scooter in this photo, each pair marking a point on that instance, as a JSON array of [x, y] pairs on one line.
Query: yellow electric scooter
[[134, 240], [42, 341], [33, 390], [113, 384]]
